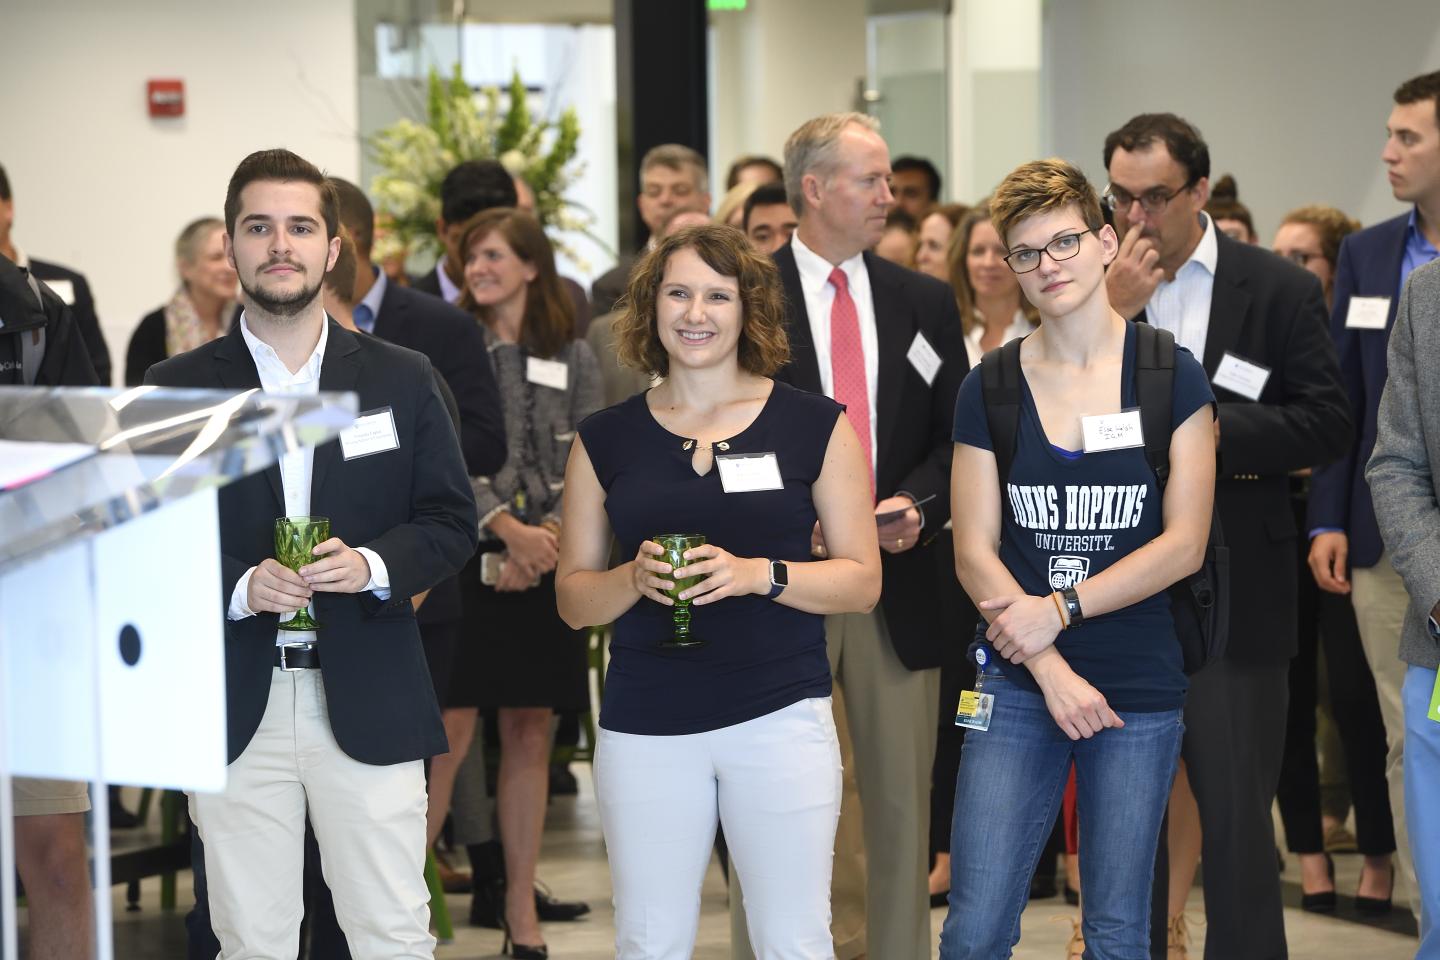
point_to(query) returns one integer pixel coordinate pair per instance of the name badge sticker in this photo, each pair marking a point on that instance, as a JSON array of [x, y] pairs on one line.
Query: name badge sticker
[[64, 289], [1239, 375], [1367, 313], [1113, 431], [749, 472], [924, 359], [547, 373], [372, 432]]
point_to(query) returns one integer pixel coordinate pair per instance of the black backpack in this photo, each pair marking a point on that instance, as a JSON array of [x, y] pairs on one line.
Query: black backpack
[[1200, 603]]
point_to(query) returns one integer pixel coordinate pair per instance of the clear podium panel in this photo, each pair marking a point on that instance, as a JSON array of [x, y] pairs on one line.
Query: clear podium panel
[[75, 461]]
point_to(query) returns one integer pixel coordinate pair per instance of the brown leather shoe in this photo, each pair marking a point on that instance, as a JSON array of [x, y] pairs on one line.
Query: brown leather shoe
[[452, 880]]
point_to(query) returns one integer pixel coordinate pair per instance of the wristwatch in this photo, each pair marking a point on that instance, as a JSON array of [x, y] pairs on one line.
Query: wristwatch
[[779, 578], [1072, 606]]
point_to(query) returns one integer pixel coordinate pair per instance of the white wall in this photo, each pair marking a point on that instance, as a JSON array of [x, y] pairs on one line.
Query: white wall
[[777, 64], [101, 187], [1291, 95]]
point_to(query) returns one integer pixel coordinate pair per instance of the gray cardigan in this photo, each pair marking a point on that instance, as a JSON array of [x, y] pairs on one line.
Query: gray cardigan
[[1403, 470], [539, 429]]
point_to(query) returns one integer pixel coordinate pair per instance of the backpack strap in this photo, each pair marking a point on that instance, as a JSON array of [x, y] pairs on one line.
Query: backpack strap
[[1000, 387], [1154, 388]]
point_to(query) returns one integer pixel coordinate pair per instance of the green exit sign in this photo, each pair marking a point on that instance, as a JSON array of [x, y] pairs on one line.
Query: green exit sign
[[725, 4]]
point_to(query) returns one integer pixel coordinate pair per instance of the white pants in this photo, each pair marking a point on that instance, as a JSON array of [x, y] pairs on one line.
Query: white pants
[[773, 782], [369, 821]]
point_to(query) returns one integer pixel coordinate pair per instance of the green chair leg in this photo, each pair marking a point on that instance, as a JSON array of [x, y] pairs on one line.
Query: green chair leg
[[439, 909], [144, 812]]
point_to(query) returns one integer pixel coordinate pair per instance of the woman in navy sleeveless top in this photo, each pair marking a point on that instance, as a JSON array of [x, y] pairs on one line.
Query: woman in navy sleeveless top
[[738, 730], [1070, 564]]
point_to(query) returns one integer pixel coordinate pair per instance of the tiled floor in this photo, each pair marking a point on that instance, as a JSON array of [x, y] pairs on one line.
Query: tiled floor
[[574, 866]]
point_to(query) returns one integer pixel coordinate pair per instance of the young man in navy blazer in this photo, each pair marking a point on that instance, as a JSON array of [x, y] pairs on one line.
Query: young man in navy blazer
[[334, 723], [1346, 553]]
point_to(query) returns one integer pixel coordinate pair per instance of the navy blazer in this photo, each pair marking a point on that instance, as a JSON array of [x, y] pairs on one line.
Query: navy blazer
[[913, 431], [411, 505], [1267, 310], [1369, 266]]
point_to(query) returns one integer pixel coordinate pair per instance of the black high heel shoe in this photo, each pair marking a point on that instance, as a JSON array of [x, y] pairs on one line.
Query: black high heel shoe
[[1325, 901], [1377, 906], [521, 951]]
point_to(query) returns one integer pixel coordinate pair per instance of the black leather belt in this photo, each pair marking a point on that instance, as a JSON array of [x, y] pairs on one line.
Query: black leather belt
[[297, 656]]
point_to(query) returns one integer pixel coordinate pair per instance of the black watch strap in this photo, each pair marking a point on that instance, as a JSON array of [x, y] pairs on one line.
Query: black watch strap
[[1072, 606], [779, 579]]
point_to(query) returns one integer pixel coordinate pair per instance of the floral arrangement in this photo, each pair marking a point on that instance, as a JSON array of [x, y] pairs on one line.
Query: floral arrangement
[[460, 126]]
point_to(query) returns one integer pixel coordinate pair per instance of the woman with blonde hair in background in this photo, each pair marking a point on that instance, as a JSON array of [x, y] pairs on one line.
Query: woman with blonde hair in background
[[200, 309], [993, 311]]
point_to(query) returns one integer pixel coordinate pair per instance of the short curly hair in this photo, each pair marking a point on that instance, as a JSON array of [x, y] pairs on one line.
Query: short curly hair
[[764, 346]]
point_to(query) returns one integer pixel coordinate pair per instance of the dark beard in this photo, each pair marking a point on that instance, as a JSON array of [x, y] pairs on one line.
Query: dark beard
[[281, 307]]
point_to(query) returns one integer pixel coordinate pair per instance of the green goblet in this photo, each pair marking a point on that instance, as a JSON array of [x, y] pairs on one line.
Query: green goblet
[[295, 540], [675, 545]]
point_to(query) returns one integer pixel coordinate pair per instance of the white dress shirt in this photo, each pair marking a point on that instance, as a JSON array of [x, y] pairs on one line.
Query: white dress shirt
[[448, 290], [819, 298], [1182, 305], [297, 469], [1020, 326]]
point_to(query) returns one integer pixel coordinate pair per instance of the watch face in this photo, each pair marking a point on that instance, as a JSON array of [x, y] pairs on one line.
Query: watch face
[[779, 573]]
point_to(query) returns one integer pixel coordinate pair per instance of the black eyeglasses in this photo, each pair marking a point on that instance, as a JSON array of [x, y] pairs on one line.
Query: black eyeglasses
[[1301, 257], [1152, 201], [1061, 248]]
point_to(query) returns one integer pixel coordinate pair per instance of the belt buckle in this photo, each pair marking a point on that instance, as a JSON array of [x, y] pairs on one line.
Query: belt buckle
[[284, 664]]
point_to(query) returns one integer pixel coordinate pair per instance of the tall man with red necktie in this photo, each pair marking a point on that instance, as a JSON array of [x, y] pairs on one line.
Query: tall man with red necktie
[[886, 342]]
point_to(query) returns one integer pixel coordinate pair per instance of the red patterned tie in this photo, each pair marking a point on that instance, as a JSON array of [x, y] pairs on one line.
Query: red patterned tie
[[847, 365]]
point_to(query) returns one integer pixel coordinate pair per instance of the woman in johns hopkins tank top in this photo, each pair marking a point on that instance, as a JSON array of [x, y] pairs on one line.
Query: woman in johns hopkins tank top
[[1069, 564], [738, 731]]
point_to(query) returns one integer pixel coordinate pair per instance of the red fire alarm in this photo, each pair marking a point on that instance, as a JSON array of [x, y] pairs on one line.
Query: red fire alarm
[[166, 98]]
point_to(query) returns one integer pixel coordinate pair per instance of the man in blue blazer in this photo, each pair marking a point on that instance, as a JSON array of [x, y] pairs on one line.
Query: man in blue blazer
[[1346, 551]]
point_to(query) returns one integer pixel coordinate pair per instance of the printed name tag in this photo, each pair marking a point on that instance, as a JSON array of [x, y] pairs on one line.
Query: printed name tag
[[372, 432], [1113, 431], [64, 289], [974, 710], [923, 358], [749, 472], [547, 373], [1241, 376], [1367, 313]]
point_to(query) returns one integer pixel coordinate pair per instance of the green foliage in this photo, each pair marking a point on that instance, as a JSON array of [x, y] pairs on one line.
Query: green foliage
[[459, 126]]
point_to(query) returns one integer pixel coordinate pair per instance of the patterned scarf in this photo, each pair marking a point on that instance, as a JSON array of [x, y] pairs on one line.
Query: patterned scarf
[[184, 330]]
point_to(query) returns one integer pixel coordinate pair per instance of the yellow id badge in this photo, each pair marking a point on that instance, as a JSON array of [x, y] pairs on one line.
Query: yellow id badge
[[1434, 712], [974, 709]]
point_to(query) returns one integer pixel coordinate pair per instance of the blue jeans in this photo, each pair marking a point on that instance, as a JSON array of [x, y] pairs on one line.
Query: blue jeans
[[1011, 783], [1422, 787]]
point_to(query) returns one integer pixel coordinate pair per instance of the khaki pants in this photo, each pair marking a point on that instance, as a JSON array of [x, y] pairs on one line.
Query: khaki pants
[[369, 821], [1380, 604], [891, 717]]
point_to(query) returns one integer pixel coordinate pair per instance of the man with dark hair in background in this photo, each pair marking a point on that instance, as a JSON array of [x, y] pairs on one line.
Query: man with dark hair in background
[[71, 287], [1346, 552], [673, 179], [753, 169], [916, 185], [472, 186], [769, 219], [1257, 322]]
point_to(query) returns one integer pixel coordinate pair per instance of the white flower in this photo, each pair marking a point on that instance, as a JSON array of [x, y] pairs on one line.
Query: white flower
[[513, 161]]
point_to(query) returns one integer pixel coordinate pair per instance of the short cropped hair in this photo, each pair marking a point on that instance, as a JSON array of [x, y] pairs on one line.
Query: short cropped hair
[[340, 279], [811, 149], [1180, 137], [920, 165], [764, 346], [765, 195], [677, 157], [357, 216], [1330, 224], [285, 167], [473, 186], [1424, 87], [1041, 186], [753, 160]]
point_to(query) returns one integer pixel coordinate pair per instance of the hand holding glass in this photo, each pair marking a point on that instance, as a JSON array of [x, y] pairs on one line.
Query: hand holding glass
[[675, 545], [295, 541]]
